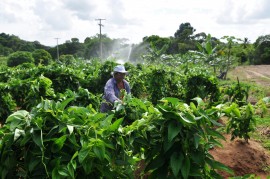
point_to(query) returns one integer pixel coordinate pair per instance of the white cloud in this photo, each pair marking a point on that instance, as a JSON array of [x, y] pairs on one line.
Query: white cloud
[[44, 20]]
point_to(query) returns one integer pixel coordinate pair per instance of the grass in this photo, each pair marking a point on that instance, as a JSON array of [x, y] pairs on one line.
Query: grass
[[262, 133]]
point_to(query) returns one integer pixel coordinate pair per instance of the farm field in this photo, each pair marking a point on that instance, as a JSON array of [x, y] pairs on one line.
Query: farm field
[[66, 120], [259, 74], [248, 158]]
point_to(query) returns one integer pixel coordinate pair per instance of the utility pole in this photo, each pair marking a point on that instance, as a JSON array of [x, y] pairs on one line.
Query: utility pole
[[57, 48], [100, 44]]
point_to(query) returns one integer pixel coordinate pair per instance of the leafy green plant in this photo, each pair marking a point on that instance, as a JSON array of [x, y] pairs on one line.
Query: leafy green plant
[[19, 57], [7, 103], [41, 56], [53, 141], [241, 121], [157, 84], [237, 93], [203, 86], [67, 59], [174, 140], [28, 93], [82, 97]]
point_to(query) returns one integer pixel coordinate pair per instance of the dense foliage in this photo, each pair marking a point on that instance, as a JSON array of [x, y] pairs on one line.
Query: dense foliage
[[52, 127], [181, 42], [41, 56], [19, 57]]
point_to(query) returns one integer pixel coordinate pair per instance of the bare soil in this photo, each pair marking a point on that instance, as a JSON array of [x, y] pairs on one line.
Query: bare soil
[[243, 158], [258, 74], [247, 158]]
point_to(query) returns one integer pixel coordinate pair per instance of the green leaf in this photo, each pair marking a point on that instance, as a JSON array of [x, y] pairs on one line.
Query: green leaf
[[197, 156], [99, 150], [219, 166], [107, 121], [70, 170], [185, 168], [193, 107], [55, 174], [16, 119], [116, 125], [33, 163], [176, 162], [58, 144], [184, 119], [173, 130], [155, 163], [63, 171], [214, 133], [199, 101], [87, 165], [196, 140], [37, 137], [65, 103], [83, 153], [236, 112], [72, 139], [173, 101], [190, 117], [216, 123]]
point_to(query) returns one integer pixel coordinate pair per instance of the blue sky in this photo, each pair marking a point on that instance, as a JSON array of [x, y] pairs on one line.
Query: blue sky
[[45, 20]]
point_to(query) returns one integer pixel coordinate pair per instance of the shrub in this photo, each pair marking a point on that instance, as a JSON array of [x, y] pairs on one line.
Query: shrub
[[67, 59], [41, 56], [7, 104], [19, 57], [3, 60]]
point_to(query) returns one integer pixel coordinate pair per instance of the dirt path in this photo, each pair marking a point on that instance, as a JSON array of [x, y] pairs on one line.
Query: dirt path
[[259, 74]]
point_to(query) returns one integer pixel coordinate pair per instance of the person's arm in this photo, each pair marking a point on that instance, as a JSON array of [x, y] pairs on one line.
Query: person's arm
[[109, 92]]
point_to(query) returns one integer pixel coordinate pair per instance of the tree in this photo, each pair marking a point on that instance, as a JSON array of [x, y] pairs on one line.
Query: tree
[[156, 41], [245, 51], [42, 57], [91, 47], [67, 59], [72, 47], [185, 32], [208, 52], [262, 50], [228, 49], [200, 37], [19, 57], [184, 40]]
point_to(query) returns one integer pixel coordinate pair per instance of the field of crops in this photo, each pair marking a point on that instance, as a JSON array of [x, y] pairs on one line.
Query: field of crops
[[51, 126]]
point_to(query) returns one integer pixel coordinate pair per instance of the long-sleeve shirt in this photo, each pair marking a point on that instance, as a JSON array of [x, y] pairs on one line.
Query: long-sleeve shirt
[[112, 93]]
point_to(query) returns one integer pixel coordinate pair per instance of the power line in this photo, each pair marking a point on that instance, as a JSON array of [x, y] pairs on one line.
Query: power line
[[100, 44]]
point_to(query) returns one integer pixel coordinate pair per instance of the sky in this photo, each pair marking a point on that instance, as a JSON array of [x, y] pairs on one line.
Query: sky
[[53, 22]]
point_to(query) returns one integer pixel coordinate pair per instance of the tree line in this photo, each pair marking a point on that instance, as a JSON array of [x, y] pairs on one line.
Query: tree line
[[182, 42]]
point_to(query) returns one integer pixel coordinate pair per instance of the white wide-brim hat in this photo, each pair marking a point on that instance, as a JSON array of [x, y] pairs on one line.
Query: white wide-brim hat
[[120, 69]]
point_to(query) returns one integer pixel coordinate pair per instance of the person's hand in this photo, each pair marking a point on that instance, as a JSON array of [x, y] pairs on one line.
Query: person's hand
[[118, 101]]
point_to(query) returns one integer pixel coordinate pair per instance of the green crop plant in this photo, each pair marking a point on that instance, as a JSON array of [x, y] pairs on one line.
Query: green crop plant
[[241, 121], [56, 141], [7, 103]]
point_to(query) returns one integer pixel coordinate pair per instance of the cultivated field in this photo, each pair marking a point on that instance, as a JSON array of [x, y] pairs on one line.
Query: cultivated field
[[248, 158]]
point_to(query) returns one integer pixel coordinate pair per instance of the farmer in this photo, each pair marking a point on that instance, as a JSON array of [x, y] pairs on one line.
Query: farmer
[[113, 87]]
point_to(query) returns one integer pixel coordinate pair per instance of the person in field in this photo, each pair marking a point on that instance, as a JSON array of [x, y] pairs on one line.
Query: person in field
[[113, 87]]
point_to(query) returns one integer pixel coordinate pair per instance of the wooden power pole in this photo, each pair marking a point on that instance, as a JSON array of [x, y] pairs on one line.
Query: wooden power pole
[[100, 44], [57, 48]]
